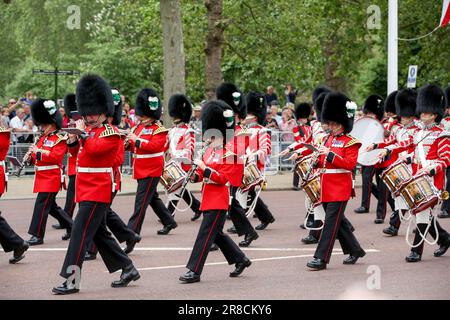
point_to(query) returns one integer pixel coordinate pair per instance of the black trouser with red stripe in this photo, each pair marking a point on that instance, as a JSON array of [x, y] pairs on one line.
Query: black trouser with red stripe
[[211, 231], [116, 225], [46, 204], [446, 203], [261, 209], [238, 217], [146, 195], [384, 196], [189, 198], [295, 179], [336, 226], [90, 225], [69, 207], [9, 240], [443, 235]]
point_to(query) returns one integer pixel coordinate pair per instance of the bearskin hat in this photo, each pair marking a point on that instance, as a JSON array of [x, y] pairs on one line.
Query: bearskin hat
[[318, 91], [217, 115], [93, 96], [180, 107], [231, 94], [430, 99], [389, 104], [256, 105], [447, 96], [318, 105], [46, 112], [70, 104], [303, 110], [339, 108], [405, 103], [375, 105], [148, 104]]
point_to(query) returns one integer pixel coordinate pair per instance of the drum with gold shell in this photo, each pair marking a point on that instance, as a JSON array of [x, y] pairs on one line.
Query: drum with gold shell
[[252, 177], [172, 177]]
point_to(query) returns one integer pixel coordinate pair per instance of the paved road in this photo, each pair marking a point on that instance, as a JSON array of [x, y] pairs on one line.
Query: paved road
[[278, 271]]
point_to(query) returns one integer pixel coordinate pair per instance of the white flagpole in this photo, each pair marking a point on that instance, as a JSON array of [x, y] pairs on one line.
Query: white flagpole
[[393, 47]]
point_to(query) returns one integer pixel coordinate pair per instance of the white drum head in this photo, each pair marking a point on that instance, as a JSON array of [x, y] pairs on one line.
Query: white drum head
[[368, 131]]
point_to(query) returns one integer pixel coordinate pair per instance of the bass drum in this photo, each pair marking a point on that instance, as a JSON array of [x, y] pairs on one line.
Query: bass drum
[[368, 131]]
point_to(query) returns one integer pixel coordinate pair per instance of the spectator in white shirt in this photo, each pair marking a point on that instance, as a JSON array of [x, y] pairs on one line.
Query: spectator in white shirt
[[17, 124]]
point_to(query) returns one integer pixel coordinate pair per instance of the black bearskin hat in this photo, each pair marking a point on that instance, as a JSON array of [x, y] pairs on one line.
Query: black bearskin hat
[[94, 96], [46, 112], [447, 96], [117, 116], [339, 108], [389, 104], [318, 105], [303, 110], [70, 104], [430, 99], [217, 115], [148, 104], [405, 103], [375, 105], [256, 105], [231, 94], [318, 91], [180, 107]]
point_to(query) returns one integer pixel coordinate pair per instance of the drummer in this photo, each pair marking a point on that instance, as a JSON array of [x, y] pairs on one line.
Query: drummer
[[445, 209], [405, 104], [431, 155], [180, 147]]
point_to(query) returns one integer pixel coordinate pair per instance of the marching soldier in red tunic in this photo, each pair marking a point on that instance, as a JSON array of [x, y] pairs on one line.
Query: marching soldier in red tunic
[[148, 140], [47, 155], [258, 150], [215, 169], [114, 223], [9, 240], [181, 147], [337, 161], [94, 187], [445, 209], [431, 155], [231, 94]]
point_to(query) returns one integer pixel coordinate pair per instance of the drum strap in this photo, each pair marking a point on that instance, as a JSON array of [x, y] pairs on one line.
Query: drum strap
[[421, 150]]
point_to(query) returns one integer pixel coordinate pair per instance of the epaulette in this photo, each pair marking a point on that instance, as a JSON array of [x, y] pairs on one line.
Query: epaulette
[[109, 131], [62, 136], [352, 142], [160, 129]]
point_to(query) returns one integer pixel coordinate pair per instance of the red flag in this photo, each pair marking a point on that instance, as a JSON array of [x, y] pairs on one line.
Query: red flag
[[445, 18]]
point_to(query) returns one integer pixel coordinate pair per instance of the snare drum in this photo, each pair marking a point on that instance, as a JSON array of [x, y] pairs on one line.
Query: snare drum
[[419, 193], [312, 189], [395, 175], [252, 177], [303, 166], [172, 177]]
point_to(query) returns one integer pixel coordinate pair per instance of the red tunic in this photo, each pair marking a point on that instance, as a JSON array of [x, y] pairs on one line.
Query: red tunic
[[72, 160], [148, 157], [239, 144], [260, 143], [216, 177], [391, 128], [117, 164], [336, 179], [5, 136], [181, 144], [48, 177], [98, 151], [302, 134]]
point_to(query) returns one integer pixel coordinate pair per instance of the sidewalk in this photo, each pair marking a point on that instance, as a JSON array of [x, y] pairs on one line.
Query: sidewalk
[[22, 188]]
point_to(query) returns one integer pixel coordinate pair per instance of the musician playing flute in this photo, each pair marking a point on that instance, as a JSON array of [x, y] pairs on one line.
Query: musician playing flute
[[215, 169], [147, 140], [431, 155], [337, 160], [181, 147], [9, 240], [47, 155]]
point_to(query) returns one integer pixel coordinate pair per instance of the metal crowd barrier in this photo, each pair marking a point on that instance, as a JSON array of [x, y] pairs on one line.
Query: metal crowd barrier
[[273, 164]]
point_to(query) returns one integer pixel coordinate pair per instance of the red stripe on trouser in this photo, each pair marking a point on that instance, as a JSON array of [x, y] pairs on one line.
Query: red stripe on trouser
[[206, 243], [334, 233], [143, 204], [42, 216], [369, 193], [84, 233]]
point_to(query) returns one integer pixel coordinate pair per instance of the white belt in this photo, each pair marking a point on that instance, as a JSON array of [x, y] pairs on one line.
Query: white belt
[[335, 171], [43, 168], [94, 170], [146, 156]]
